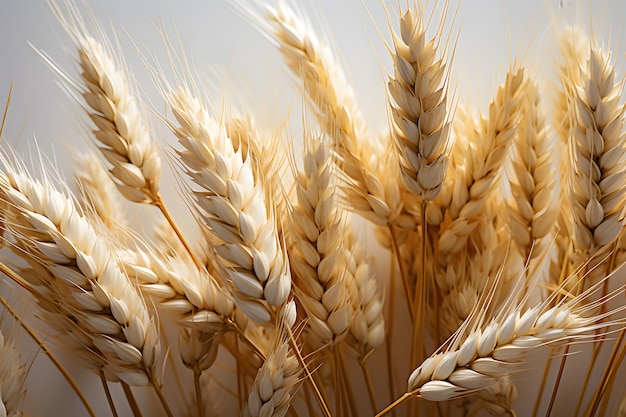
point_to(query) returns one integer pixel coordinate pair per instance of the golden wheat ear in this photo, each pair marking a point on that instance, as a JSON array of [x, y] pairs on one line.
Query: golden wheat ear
[[597, 183], [418, 98]]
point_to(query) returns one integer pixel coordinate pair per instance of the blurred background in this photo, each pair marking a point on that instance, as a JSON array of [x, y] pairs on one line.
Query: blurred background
[[233, 60]]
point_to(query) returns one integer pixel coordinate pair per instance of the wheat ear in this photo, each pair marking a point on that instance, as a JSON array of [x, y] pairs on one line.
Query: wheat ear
[[176, 286], [488, 150], [371, 186], [500, 348], [275, 383], [233, 205], [91, 297], [367, 328], [418, 101], [532, 211], [12, 377], [317, 253], [120, 131], [597, 139]]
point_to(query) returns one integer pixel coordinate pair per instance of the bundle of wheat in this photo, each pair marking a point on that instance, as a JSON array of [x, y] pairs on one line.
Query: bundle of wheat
[[504, 232]]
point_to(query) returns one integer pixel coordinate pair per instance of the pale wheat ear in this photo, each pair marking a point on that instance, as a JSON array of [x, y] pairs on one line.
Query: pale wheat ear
[[117, 330], [105, 87]]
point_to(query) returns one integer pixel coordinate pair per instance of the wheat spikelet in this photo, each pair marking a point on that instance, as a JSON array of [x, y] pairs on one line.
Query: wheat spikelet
[[233, 205], [597, 181], [87, 290], [275, 383], [12, 378], [371, 187], [418, 102]]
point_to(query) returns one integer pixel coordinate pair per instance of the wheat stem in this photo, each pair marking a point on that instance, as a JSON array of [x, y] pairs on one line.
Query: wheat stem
[[196, 383], [403, 274], [368, 383], [159, 393], [6, 111], [559, 376], [598, 346], [107, 392], [597, 396], [241, 386], [132, 401], [394, 404], [163, 208], [419, 300], [389, 336], [542, 385], [608, 386], [5, 270], [348, 385]]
